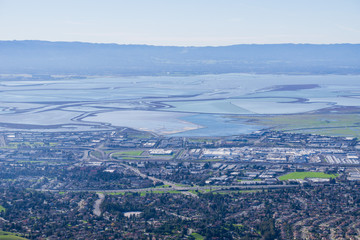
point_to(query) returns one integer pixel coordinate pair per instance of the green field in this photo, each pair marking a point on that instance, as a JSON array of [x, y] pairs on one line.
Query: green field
[[181, 185], [256, 180], [303, 175], [338, 124], [129, 158], [158, 192], [10, 236], [2, 209], [128, 153], [197, 236], [117, 193]]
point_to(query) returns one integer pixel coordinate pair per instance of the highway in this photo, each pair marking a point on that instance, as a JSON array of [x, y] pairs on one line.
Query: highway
[[177, 188]]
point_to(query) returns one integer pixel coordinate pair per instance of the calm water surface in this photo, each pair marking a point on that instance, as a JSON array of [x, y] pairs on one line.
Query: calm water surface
[[180, 106]]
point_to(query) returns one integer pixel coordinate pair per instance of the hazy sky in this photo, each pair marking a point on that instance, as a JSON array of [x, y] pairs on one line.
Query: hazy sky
[[182, 22]]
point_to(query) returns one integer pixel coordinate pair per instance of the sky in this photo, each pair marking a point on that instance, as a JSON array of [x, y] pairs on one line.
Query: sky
[[182, 22]]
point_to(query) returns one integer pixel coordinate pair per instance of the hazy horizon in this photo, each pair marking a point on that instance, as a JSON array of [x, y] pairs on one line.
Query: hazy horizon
[[154, 45], [182, 23]]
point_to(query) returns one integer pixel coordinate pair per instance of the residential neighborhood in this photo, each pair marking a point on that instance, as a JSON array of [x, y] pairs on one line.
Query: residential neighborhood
[[129, 184]]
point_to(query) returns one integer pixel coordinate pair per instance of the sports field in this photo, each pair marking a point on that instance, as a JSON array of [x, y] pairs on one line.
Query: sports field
[[303, 175], [128, 153]]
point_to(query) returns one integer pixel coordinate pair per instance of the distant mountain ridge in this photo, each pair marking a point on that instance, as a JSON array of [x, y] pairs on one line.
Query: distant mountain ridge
[[42, 57]]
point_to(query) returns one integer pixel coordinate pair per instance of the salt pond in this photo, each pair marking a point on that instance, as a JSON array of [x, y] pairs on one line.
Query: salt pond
[[158, 122], [200, 105]]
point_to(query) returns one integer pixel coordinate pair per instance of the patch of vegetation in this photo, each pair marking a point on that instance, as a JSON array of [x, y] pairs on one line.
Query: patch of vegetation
[[194, 191], [9, 147], [10, 236], [303, 175], [256, 180], [238, 191], [181, 185], [343, 131], [197, 236], [163, 186], [201, 191], [238, 225], [159, 192], [116, 193], [129, 158], [2, 209], [323, 124], [129, 153]]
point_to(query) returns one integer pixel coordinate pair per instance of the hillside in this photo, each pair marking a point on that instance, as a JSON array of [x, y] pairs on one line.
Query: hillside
[[41, 57]]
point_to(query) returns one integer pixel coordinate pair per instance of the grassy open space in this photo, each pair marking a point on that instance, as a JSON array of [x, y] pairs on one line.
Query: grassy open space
[[343, 131], [158, 192], [128, 158], [2, 209], [197, 236], [333, 124], [303, 175], [128, 153], [10, 236], [256, 180], [117, 193], [181, 185]]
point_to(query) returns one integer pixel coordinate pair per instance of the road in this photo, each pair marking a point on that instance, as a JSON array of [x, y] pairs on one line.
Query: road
[[97, 204], [2, 141], [177, 188], [174, 186], [154, 179]]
